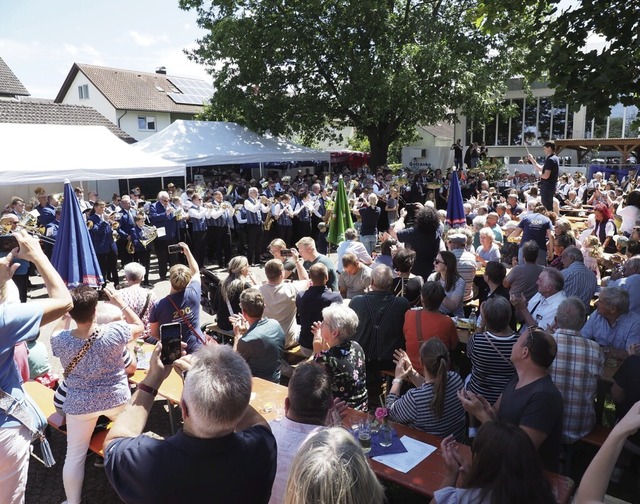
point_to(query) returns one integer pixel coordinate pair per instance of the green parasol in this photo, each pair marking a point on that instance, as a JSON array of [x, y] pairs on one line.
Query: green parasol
[[341, 218]]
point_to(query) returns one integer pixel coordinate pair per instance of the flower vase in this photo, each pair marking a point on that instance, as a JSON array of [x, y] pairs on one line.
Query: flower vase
[[384, 434]]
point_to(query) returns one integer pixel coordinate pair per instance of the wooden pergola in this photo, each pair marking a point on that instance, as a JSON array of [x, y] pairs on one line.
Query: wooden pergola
[[584, 145]]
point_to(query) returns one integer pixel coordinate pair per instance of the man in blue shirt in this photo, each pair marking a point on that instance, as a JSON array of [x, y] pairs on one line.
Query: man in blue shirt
[[538, 227], [630, 282], [612, 325]]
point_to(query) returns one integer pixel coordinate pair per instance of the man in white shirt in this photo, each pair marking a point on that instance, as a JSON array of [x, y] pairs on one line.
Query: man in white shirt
[[280, 300], [543, 306], [351, 244], [306, 409]]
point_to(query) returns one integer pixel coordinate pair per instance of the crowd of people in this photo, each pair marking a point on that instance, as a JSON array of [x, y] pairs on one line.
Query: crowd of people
[[525, 388]]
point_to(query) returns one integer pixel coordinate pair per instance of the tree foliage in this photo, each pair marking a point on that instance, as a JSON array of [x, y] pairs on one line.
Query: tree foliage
[[310, 67], [598, 79]]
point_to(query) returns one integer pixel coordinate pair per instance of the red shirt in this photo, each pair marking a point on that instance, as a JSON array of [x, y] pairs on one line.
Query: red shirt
[[432, 324]]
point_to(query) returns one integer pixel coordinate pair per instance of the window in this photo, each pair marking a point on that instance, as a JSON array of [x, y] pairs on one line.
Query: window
[[83, 92], [516, 122], [559, 112], [146, 123]]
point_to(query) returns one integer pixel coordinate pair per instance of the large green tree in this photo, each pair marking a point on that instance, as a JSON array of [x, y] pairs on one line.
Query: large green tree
[[310, 67], [599, 76]]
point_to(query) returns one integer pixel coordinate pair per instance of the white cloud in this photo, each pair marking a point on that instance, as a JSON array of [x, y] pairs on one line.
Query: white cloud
[[147, 40]]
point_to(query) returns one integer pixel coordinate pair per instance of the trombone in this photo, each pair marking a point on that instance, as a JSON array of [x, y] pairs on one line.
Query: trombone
[[38, 232]]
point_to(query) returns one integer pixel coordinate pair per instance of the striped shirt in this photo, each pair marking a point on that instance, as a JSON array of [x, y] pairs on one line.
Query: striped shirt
[[490, 370], [575, 372], [414, 409], [579, 281]]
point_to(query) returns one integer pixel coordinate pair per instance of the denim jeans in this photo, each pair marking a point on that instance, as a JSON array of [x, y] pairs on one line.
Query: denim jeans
[[369, 242]]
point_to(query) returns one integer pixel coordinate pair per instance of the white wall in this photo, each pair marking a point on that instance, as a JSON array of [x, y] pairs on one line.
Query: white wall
[[96, 98], [129, 122], [438, 157]]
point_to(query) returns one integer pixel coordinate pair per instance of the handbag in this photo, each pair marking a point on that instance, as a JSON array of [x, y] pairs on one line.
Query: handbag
[[27, 412]]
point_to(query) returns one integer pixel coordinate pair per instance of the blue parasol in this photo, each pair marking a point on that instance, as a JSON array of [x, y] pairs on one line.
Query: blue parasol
[[455, 208], [73, 254]]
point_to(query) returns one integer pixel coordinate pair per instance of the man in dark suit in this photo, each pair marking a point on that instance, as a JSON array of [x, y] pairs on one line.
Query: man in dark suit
[[162, 216], [127, 223]]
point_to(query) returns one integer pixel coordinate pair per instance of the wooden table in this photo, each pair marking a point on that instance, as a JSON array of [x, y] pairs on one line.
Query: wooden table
[[265, 395], [426, 477]]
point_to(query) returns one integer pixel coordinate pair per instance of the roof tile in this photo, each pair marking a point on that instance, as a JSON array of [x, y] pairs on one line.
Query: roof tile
[[9, 83], [45, 112]]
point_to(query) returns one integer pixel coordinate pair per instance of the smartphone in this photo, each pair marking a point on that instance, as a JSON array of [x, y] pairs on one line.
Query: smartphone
[[171, 337], [174, 249], [286, 253]]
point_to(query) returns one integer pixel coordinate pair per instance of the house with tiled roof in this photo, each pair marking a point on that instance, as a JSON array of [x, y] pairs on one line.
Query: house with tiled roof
[[139, 103], [10, 86]]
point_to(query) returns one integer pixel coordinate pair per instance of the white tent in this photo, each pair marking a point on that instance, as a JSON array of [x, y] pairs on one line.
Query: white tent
[[49, 153], [202, 143]]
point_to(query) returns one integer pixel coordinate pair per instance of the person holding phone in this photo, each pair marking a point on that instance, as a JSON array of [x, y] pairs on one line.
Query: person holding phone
[[231, 443], [91, 355], [182, 305]]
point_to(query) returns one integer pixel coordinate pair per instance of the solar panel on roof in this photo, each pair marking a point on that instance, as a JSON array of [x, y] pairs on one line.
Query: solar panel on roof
[[193, 92], [187, 99]]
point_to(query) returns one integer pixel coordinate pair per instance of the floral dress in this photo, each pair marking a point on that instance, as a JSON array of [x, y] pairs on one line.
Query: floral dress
[[345, 364]]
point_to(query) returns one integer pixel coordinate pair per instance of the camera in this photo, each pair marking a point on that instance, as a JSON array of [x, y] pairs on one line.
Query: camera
[[174, 249], [286, 253]]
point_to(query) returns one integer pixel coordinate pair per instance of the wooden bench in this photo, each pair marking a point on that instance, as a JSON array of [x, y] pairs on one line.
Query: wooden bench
[[43, 397], [597, 436]]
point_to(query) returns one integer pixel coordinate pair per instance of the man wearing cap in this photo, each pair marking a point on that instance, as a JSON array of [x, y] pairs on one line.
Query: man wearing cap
[[548, 174]]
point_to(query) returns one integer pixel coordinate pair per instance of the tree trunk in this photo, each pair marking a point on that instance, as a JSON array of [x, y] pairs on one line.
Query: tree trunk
[[379, 145]]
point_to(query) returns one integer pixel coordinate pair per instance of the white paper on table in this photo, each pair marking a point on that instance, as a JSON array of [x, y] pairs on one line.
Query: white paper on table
[[161, 232], [417, 451]]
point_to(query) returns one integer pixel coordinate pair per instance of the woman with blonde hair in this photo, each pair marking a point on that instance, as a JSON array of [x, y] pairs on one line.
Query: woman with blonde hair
[[238, 279], [289, 262], [331, 467]]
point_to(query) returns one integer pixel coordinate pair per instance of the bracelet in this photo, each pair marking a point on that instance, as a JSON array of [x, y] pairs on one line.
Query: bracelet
[[148, 389], [124, 308], [396, 380]]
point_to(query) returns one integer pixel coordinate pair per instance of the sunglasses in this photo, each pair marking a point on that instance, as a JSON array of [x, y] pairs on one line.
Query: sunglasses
[[437, 261]]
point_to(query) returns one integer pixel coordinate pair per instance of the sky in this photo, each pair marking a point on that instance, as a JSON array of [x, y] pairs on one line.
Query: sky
[[40, 39]]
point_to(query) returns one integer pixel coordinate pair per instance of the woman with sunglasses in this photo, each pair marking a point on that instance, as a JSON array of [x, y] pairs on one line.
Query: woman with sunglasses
[[446, 273]]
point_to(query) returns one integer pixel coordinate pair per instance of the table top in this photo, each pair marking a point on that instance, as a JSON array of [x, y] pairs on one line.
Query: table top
[[265, 396]]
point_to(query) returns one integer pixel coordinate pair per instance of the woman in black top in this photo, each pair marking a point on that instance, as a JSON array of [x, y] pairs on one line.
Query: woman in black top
[[369, 215], [406, 284]]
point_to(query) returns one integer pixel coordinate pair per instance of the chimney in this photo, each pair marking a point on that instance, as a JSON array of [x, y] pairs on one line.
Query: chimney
[[161, 70]]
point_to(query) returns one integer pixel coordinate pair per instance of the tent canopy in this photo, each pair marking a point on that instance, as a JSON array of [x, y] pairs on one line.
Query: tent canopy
[[46, 153], [204, 143]]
